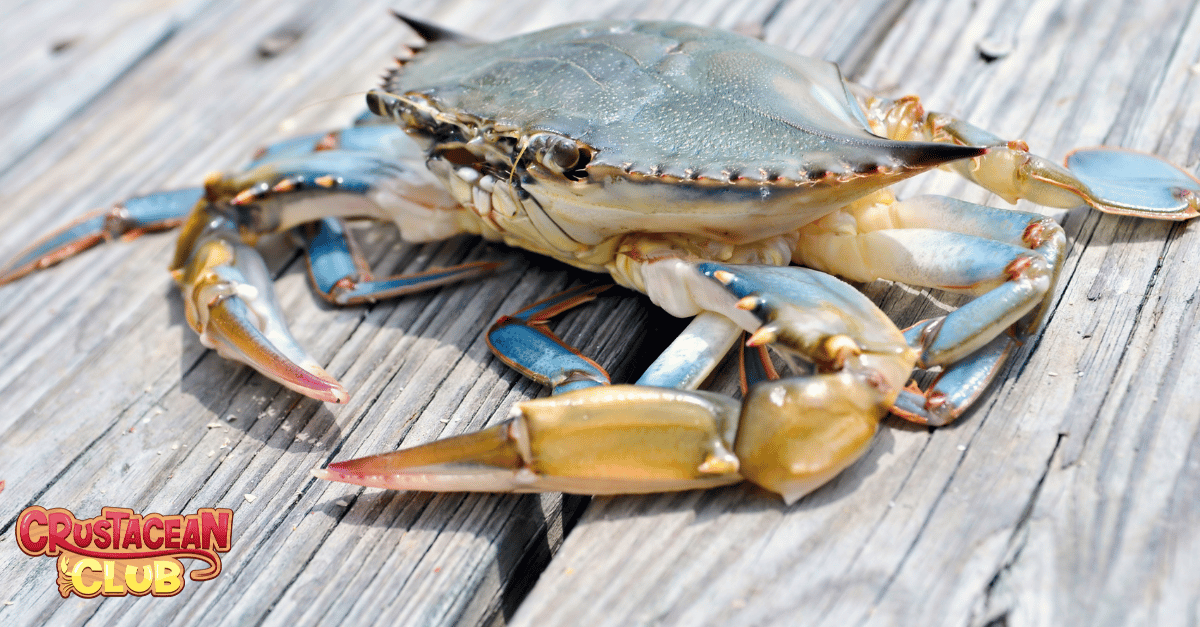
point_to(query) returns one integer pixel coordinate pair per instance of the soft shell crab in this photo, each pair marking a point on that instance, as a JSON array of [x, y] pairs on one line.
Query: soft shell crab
[[690, 164]]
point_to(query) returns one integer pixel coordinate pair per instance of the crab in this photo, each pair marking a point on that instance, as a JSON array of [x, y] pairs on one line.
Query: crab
[[726, 179]]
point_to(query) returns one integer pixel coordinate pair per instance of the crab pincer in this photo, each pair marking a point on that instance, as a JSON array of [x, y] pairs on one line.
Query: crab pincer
[[227, 289], [127, 220], [229, 300], [789, 436]]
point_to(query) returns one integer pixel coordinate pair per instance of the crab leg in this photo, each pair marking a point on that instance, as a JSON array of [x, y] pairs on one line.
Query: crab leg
[[524, 342], [340, 274], [167, 210], [228, 295], [381, 139], [127, 220], [1010, 259], [790, 436], [956, 388], [1112, 180], [688, 361]]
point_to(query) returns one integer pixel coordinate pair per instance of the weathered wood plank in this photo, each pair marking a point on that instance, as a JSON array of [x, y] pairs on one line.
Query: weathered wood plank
[[978, 523], [79, 50], [1064, 499], [113, 402]]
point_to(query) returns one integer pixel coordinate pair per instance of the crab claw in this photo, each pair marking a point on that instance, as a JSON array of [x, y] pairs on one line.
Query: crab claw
[[621, 439], [230, 303], [797, 433], [790, 436]]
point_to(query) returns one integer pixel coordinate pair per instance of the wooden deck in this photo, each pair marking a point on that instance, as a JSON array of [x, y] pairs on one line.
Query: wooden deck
[[1068, 497]]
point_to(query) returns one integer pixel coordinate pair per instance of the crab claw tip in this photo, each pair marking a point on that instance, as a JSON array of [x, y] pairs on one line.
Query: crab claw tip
[[481, 461], [320, 386], [233, 332]]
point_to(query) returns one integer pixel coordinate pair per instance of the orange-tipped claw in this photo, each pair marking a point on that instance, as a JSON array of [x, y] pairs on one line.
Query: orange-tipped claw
[[622, 439], [485, 461], [229, 300], [232, 332]]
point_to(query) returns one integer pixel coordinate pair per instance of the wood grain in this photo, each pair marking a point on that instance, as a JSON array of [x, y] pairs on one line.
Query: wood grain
[[1068, 497]]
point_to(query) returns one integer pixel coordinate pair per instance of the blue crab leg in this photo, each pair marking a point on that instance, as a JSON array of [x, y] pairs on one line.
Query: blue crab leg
[[524, 342], [688, 361], [1137, 184], [379, 139], [227, 292], [1112, 180], [755, 366], [167, 210], [127, 220], [1010, 259], [956, 388], [340, 275]]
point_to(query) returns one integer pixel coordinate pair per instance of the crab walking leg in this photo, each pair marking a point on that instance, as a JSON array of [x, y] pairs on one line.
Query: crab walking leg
[[126, 220], [1011, 259], [956, 388], [790, 436], [340, 274], [167, 210], [378, 138], [1112, 180], [688, 361], [524, 342]]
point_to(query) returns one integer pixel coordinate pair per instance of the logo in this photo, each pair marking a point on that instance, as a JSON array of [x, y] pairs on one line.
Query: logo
[[120, 552]]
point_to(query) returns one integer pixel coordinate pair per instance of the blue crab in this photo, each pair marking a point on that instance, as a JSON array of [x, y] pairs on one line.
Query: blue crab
[[693, 165]]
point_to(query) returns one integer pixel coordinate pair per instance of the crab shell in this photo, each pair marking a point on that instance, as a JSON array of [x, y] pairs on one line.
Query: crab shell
[[613, 128]]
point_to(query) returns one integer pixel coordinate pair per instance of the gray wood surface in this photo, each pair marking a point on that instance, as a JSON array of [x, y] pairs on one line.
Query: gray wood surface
[[1068, 497]]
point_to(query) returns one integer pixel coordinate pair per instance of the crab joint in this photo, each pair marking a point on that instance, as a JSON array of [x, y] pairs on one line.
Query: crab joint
[[796, 434]]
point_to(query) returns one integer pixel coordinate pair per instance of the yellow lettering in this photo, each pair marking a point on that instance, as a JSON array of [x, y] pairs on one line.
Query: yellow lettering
[[111, 585], [131, 579], [166, 578], [77, 576]]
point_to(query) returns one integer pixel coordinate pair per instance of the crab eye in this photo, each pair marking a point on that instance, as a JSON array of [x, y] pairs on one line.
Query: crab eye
[[381, 103], [555, 151]]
